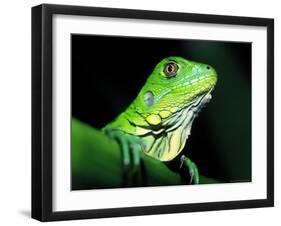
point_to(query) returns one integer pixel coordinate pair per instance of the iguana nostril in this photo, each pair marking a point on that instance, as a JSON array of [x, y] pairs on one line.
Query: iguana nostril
[[208, 67]]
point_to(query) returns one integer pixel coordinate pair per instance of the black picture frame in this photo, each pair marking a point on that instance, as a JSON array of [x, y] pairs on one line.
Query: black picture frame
[[42, 107]]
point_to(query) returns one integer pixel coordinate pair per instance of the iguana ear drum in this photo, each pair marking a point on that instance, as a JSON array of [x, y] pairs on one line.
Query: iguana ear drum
[[148, 98]]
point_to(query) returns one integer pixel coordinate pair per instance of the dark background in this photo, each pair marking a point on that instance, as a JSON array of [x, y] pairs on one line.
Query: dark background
[[108, 72]]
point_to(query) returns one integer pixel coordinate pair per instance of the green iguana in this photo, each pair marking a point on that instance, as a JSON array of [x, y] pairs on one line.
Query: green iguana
[[159, 120]]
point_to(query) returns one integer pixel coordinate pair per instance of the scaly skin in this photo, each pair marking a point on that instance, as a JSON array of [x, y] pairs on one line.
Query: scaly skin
[[159, 120]]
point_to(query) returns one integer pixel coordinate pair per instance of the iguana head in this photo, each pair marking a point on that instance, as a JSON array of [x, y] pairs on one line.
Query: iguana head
[[174, 84], [172, 97]]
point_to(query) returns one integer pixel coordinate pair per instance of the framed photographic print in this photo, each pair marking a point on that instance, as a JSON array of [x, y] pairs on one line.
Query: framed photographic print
[[145, 112]]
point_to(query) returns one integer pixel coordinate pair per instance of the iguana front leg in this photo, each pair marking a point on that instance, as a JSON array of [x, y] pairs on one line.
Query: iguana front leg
[[131, 147], [192, 169]]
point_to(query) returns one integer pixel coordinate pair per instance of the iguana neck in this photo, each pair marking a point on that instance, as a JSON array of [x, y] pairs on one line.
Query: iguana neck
[[166, 144], [166, 140]]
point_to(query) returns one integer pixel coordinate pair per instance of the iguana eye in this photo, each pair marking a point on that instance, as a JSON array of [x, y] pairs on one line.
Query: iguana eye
[[171, 69]]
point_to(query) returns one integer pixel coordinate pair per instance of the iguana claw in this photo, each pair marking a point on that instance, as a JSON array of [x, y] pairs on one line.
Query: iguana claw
[[192, 169]]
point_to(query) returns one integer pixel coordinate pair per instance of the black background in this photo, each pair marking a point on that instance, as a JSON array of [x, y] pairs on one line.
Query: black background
[[108, 72]]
